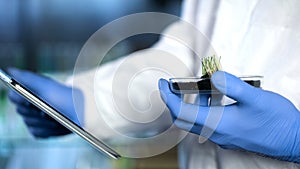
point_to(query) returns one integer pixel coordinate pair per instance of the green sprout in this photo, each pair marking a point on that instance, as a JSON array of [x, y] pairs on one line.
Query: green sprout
[[210, 64]]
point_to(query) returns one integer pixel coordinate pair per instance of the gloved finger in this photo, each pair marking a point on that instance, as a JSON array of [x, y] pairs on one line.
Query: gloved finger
[[46, 133], [29, 111], [167, 96], [179, 109], [230, 147], [36, 117], [17, 98], [216, 137], [164, 84], [214, 119], [188, 126], [234, 87], [40, 122]]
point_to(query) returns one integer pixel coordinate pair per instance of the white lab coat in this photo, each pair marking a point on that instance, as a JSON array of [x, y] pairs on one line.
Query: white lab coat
[[258, 37]]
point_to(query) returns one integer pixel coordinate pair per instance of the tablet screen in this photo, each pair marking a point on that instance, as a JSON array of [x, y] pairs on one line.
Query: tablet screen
[[59, 117]]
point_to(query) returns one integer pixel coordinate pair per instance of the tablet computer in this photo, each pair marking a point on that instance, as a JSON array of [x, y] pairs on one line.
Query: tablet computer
[[59, 117]]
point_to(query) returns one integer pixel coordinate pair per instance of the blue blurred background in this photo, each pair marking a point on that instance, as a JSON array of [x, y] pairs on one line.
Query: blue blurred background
[[46, 36]]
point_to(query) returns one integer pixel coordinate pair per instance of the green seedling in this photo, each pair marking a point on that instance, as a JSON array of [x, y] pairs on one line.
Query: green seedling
[[210, 65]]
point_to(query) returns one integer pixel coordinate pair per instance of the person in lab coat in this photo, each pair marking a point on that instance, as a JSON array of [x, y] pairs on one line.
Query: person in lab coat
[[259, 37]]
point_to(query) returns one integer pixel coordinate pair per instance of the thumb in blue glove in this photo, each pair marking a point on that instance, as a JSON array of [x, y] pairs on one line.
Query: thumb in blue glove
[[55, 94], [260, 121]]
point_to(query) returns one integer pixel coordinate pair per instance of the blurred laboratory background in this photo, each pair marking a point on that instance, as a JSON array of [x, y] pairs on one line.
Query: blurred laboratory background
[[46, 36]]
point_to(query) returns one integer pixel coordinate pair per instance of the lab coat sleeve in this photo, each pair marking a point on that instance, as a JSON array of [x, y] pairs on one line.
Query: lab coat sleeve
[[119, 92]]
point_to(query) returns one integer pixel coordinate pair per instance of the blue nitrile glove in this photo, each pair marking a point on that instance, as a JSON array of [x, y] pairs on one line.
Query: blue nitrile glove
[[55, 94], [260, 121]]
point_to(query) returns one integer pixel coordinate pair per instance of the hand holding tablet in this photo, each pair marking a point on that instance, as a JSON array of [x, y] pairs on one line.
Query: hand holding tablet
[[68, 118]]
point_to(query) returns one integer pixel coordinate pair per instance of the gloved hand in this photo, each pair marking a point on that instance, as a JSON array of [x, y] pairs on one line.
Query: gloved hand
[[260, 121], [55, 94]]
